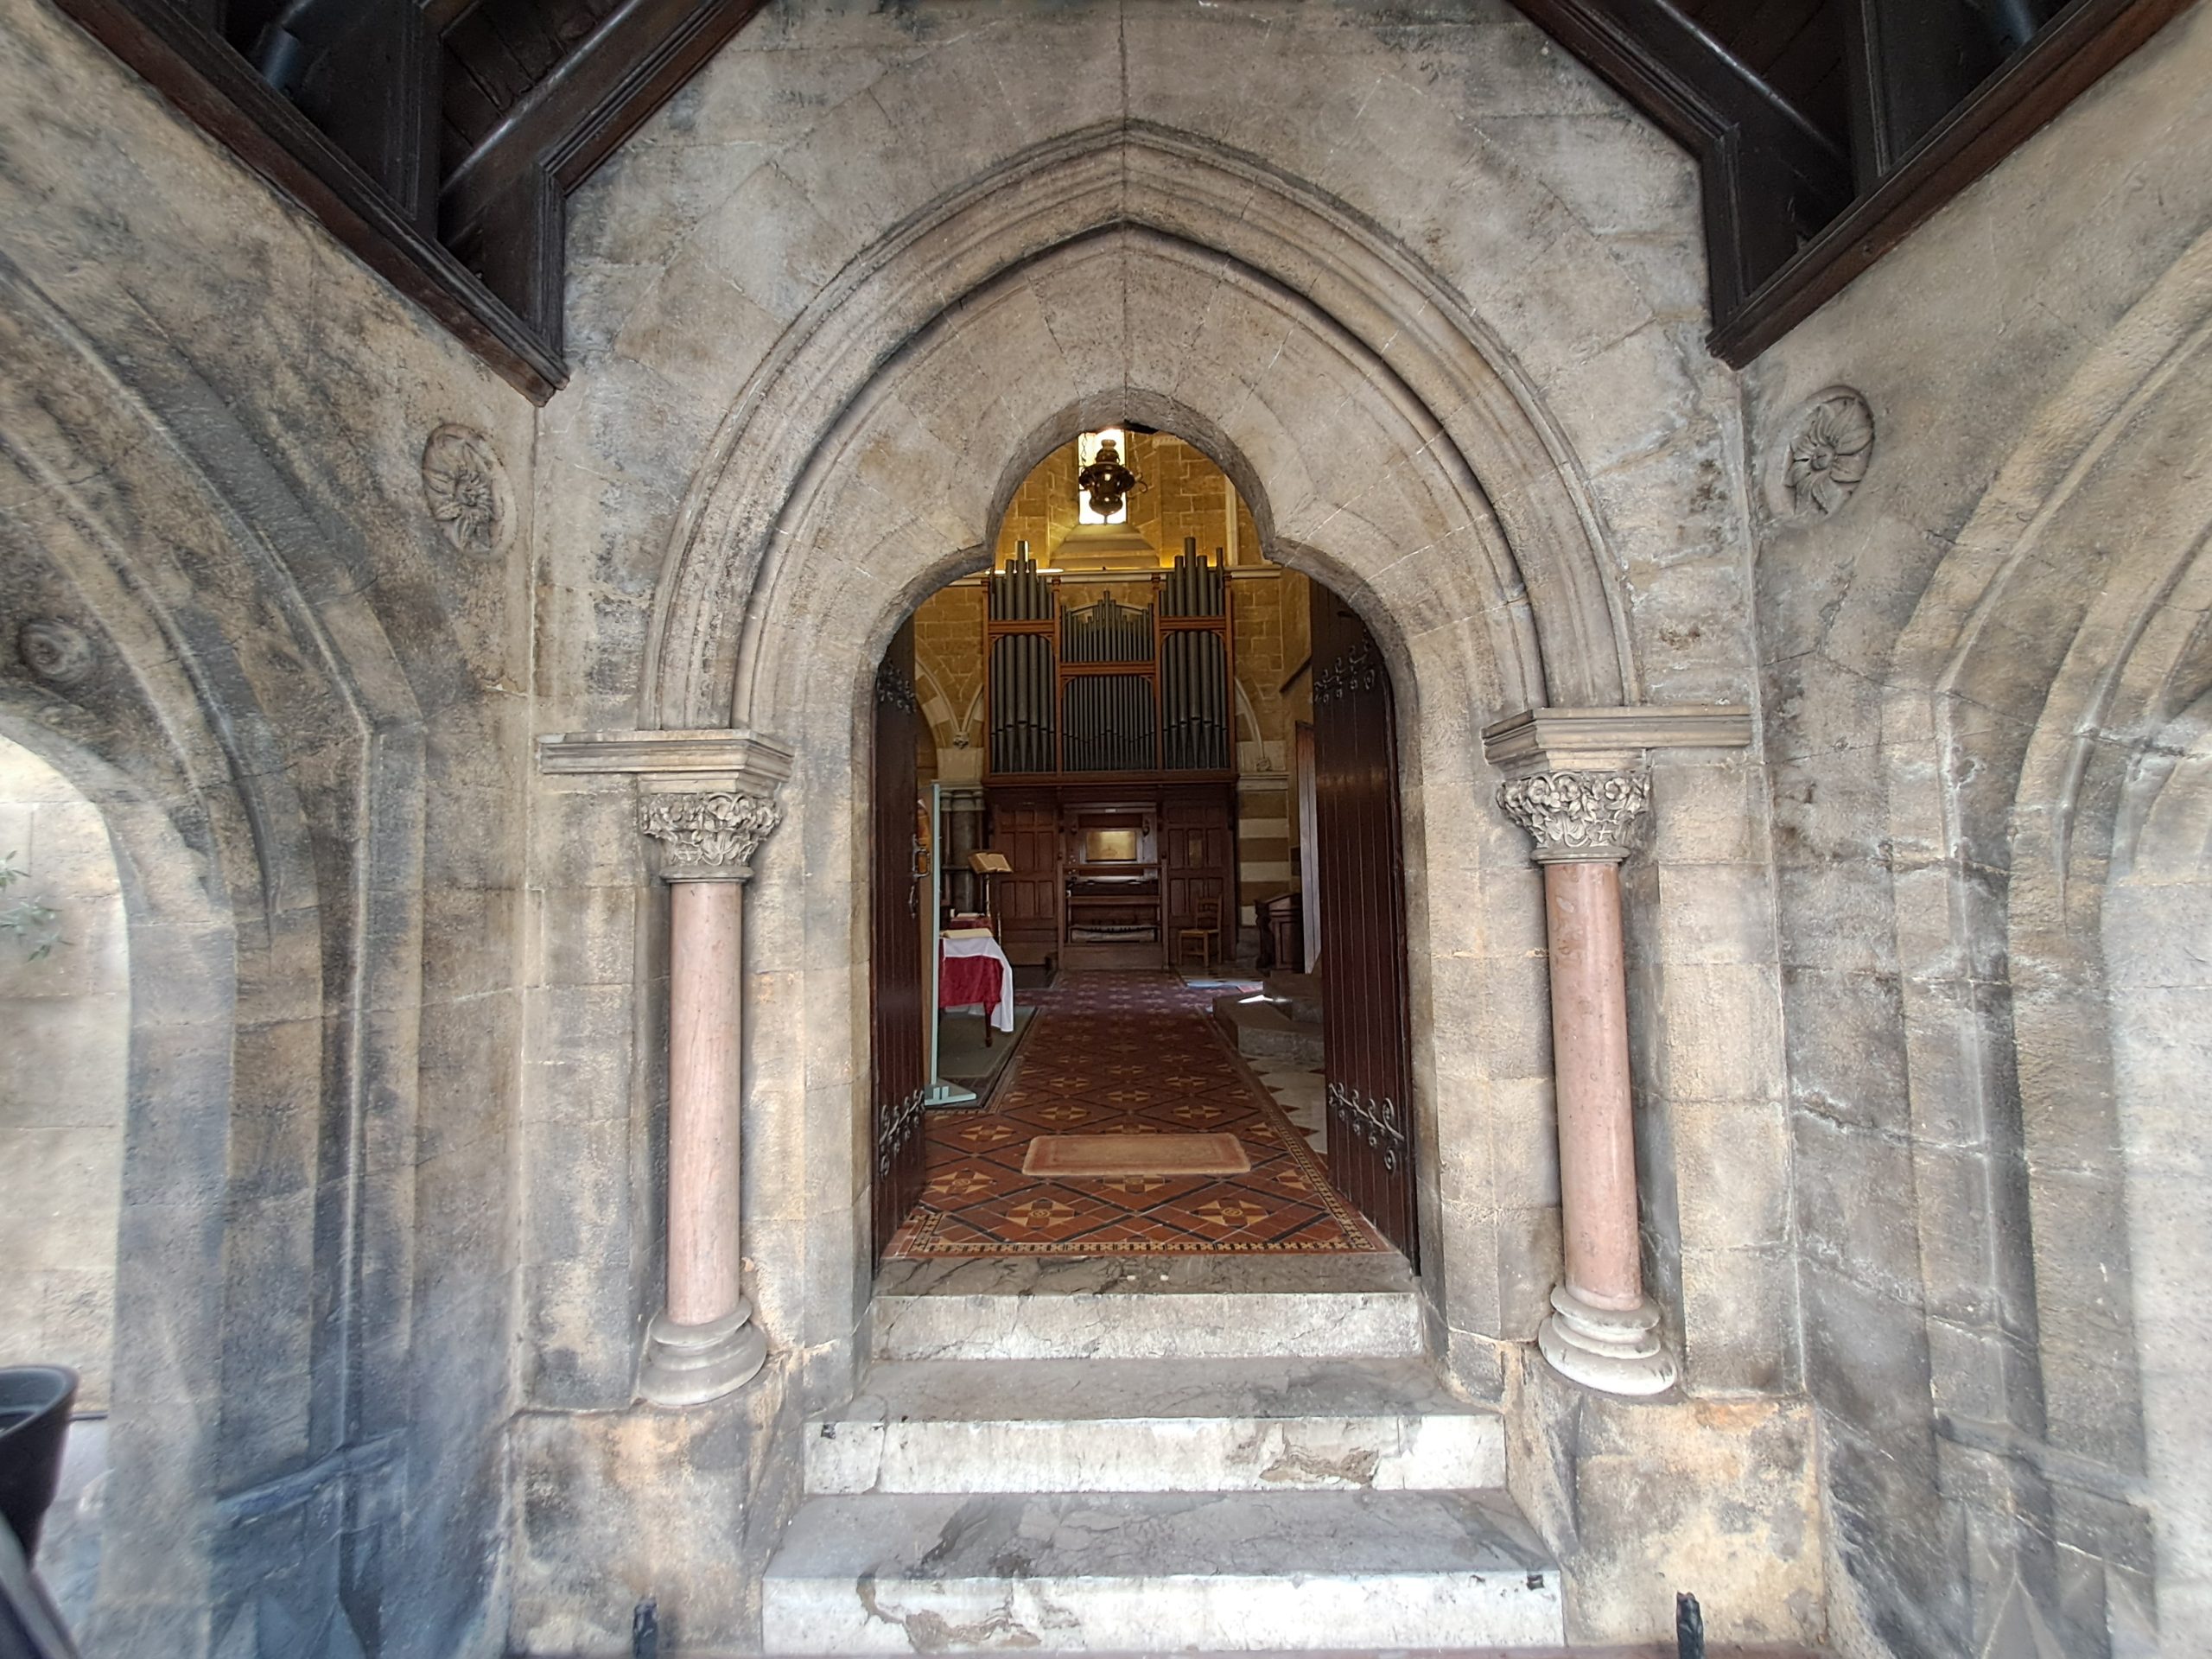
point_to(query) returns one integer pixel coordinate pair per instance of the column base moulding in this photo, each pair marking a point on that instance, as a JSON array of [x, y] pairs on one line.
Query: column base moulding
[[691, 1364], [1611, 1351]]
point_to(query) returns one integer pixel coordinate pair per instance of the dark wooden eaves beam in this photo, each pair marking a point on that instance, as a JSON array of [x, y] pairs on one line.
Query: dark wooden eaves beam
[[1769, 174], [641, 55], [2077, 49], [217, 89]]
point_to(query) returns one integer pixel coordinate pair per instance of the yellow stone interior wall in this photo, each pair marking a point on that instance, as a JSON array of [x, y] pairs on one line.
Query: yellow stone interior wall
[[1184, 494]]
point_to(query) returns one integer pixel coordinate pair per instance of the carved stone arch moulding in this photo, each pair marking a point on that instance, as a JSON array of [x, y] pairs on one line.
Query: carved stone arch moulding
[[1482, 415]]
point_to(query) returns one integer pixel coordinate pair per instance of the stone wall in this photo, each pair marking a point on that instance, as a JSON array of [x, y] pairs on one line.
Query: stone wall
[[1045, 508], [1430, 295], [65, 1026], [949, 679], [1184, 493], [1917, 987], [1985, 671], [299, 702]]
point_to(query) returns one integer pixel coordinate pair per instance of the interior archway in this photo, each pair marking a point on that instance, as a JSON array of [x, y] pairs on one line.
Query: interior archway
[[1458, 649], [1168, 1081]]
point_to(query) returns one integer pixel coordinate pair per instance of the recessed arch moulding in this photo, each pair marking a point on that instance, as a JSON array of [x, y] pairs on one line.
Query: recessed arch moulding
[[1528, 495], [1388, 445], [2043, 732]]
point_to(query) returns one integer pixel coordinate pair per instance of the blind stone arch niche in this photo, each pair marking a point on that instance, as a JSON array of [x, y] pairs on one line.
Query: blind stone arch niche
[[867, 463], [65, 1025], [252, 738], [2031, 720], [2158, 953]]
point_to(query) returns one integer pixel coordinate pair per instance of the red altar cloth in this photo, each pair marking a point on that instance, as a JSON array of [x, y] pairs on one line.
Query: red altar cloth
[[972, 971], [964, 981]]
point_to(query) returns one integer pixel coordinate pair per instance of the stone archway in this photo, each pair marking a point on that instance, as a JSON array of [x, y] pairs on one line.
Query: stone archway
[[1389, 455], [1387, 443], [1032, 229]]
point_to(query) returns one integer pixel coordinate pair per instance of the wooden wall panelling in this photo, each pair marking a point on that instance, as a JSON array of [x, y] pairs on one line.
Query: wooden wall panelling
[[1198, 837], [1024, 825]]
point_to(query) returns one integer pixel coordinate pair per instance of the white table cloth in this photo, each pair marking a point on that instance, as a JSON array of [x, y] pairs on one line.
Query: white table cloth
[[979, 944]]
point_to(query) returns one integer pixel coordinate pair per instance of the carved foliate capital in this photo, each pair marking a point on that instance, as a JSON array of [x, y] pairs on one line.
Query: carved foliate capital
[[707, 835], [1590, 818]]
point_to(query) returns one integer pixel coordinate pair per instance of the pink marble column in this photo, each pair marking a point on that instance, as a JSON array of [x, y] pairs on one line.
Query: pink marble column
[[703, 1344], [706, 923], [1603, 1330]]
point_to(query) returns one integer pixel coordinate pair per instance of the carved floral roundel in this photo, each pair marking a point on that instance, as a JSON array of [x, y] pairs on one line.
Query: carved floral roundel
[[467, 489], [59, 652], [1830, 451]]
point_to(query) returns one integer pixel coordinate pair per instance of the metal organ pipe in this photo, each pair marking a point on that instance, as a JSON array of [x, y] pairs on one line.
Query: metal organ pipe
[[1217, 706]]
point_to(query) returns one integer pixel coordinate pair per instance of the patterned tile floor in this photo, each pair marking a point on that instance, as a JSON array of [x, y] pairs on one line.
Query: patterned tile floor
[[1299, 1091], [1129, 1053]]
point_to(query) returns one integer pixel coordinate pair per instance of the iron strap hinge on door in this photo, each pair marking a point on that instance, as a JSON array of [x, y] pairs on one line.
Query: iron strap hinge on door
[[901, 1124], [1374, 1121]]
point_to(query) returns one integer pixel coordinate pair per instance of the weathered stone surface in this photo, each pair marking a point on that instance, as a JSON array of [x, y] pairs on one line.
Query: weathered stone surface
[[1919, 983], [1646, 1498]]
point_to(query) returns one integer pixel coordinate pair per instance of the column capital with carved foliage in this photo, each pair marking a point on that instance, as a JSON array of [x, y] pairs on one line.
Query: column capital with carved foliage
[[709, 798], [1576, 778], [708, 835], [1579, 817]]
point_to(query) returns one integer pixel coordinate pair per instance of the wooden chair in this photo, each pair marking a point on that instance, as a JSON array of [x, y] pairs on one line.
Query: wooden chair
[[1207, 933]]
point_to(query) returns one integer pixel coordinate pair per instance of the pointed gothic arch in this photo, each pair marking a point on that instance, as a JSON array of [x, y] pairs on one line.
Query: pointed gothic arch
[[1386, 444]]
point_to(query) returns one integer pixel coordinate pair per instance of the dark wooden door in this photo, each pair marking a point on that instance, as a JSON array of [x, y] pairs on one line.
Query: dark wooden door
[[1365, 1026], [896, 989], [1198, 860]]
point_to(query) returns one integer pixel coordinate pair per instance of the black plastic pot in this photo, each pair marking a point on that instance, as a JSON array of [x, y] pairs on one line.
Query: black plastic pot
[[34, 1401]]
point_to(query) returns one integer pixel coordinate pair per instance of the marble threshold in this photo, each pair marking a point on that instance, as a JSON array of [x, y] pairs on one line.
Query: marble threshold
[[1161, 1426], [1110, 1308], [1212, 1572]]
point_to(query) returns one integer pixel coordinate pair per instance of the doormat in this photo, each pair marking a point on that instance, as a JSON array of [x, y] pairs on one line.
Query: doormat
[[1106, 1157]]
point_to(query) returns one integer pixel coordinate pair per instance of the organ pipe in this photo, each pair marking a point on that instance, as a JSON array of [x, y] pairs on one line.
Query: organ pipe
[[1113, 713]]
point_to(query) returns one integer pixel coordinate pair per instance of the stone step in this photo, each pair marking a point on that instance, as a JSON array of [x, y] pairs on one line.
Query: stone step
[[1299, 995], [1158, 1574], [1154, 1425], [1164, 1308], [1264, 1031]]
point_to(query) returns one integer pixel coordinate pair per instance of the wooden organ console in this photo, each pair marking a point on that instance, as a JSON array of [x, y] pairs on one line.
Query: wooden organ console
[[1110, 775]]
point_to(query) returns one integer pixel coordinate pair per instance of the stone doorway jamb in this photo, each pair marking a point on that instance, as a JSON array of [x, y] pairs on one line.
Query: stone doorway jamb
[[708, 799], [1577, 781]]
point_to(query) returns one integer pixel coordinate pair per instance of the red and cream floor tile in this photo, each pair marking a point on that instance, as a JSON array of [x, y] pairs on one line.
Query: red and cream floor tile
[[1126, 1053]]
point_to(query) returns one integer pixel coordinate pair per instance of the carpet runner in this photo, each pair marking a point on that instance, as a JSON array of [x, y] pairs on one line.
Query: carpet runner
[[1126, 1053]]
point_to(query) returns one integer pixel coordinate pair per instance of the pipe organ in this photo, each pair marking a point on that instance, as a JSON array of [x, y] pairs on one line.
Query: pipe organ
[[1109, 709], [1110, 687]]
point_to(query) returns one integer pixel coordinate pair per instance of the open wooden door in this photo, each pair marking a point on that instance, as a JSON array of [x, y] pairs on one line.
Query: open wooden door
[[896, 991], [1365, 1025]]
